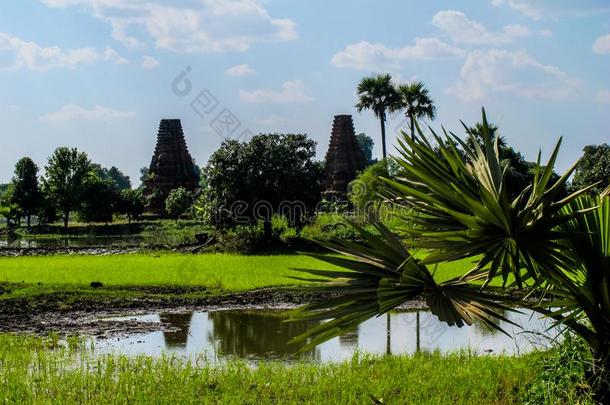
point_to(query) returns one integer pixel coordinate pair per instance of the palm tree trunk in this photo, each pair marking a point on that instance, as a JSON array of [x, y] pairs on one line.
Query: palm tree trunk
[[382, 120], [412, 119]]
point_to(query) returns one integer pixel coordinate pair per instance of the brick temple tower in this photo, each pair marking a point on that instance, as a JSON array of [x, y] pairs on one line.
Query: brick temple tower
[[344, 158], [171, 167]]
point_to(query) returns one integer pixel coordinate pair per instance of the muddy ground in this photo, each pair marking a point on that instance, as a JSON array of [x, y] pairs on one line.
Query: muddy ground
[[98, 319]]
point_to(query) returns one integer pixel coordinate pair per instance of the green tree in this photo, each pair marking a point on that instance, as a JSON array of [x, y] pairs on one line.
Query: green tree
[[99, 200], [365, 190], [265, 176], [131, 204], [178, 202], [366, 144], [416, 102], [594, 167], [66, 175], [540, 243], [26, 193], [114, 175], [377, 93], [8, 209]]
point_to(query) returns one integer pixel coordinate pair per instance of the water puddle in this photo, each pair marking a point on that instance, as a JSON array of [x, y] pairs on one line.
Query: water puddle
[[255, 335]]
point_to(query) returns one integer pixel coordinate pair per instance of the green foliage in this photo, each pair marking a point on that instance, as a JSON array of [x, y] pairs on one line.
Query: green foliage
[[269, 170], [365, 191], [178, 202], [540, 242], [594, 167], [131, 203], [366, 144], [327, 226], [99, 200], [26, 193], [117, 178], [66, 174], [416, 102], [563, 375]]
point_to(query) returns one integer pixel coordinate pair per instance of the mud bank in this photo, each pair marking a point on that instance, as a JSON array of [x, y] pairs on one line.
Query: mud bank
[[91, 318]]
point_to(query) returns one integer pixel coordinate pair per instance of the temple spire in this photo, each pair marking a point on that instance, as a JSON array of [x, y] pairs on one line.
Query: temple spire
[[344, 158], [171, 166]]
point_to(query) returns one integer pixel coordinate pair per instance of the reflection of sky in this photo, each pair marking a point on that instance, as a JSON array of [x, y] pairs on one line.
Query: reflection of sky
[[370, 337]]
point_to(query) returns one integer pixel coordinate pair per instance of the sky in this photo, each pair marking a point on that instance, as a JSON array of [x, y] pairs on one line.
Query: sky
[[100, 74]]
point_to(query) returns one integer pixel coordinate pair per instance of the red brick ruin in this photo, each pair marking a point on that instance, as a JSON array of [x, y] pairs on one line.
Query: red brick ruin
[[344, 158], [171, 167]]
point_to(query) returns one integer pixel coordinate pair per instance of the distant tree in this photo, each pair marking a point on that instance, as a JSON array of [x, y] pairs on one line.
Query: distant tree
[[26, 193], [131, 204], [593, 167], [99, 200], [264, 176], [178, 202], [365, 190], [66, 175], [416, 102], [377, 93], [47, 212], [144, 174], [8, 209], [366, 144], [114, 175]]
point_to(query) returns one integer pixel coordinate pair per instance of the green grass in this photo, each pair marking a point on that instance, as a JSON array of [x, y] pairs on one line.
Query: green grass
[[33, 372], [217, 272]]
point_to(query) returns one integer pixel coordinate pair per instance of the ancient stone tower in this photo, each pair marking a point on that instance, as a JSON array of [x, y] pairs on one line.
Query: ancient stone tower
[[344, 158], [171, 166]]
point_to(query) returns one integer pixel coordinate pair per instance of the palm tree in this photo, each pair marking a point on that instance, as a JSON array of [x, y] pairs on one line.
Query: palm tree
[[416, 102], [555, 250], [377, 93]]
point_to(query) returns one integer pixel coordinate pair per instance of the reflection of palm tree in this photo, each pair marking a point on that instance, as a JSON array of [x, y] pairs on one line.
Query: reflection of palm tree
[[180, 324], [257, 334], [388, 343]]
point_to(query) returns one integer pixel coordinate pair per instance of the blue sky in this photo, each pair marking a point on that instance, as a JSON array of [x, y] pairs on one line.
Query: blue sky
[[98, 74]]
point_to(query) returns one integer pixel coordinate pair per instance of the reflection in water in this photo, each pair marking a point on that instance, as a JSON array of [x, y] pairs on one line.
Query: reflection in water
[[259, 335], [178, 334], [256, 334]]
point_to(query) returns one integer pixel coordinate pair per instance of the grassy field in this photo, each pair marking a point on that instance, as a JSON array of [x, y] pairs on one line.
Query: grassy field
[[226, 272], [33, 372]]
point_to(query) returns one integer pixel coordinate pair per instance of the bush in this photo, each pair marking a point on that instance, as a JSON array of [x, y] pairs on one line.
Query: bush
[[562, 379]]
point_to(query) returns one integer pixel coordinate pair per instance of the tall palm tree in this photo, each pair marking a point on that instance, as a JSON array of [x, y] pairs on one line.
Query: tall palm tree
[[416, 102], [377, 93], [554, 249]]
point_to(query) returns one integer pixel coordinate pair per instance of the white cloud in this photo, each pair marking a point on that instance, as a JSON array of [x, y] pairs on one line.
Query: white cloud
[[73, 112], [292, 91], [515, 73], [19, 53], [148, 62], [522, 7], [602, 45], [239, 71], [463, 30], [367, 56], [188, 25], [603, 96]]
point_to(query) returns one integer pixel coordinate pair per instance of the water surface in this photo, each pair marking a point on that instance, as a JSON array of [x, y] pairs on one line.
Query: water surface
[[255, 335]]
